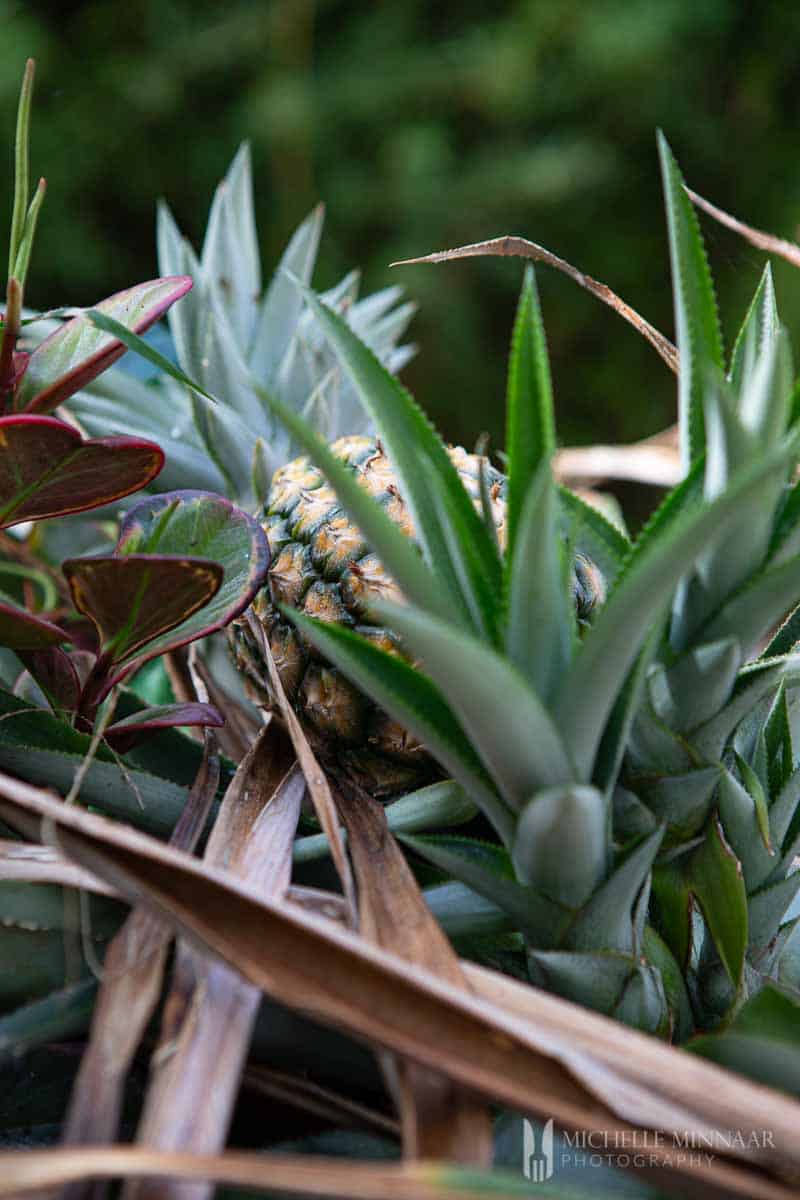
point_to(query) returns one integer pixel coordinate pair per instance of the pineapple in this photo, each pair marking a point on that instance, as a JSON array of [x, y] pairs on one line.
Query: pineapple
[[321, 564]]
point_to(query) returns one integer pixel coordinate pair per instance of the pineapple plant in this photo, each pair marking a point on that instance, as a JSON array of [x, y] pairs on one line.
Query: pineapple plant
[[241, 349], [641, 779]]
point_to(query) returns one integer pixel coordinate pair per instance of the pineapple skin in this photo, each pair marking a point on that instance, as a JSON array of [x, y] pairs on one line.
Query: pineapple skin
[[321, 565]]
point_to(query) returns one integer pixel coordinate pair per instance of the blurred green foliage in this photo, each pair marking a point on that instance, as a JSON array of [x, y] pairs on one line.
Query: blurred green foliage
[[424, 126]]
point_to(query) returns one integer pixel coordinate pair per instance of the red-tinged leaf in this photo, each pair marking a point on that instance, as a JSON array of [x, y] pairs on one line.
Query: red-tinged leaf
[[48, 470], [56, 674], [78, 351], [136, 599], [21, 630], [206, 526], [131, 730]]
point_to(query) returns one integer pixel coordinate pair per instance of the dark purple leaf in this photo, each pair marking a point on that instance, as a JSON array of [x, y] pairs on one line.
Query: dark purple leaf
[[47, 469], [131, 730], [21, 630], [136, 599], [54, 671], [78, 351], [201, 523]]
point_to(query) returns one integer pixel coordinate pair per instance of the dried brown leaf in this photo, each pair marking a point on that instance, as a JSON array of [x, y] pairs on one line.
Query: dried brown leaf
[[764, 241], [318, 786], [132, 978], [23, 1172], [209, 1014], [438, 1118], [494, 1048], [519, 247]]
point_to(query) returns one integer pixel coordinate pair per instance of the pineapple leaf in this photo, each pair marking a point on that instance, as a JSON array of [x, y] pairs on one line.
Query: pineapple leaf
[[757, 607], [696, 319], [510, 728], [594, 535], [395, 550], [697, 685], [606, 921], [614, 741], [230, 258], [487, 870], [561, 847], [761, 1042], [540, 648], [530, 434], [755, 681], [738, 814], [409, 437], [281, 307], [590, 687], [416, 702], [758, 328], [716, 881]]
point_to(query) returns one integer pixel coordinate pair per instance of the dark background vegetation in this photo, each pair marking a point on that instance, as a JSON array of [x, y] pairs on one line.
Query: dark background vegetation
[[423, 126]]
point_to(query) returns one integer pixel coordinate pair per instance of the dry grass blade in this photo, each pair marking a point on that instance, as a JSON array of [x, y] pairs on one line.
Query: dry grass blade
[[209, 1013], [132, 979], [484, 1043], [519, 247], [22, 863], [320, 1101], [764, 241], [655, 460], [241, 727], [318, 786], [438, 1118], [26, 1172]]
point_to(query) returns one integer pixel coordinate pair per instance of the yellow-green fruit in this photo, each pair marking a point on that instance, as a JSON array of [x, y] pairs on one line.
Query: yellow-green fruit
[[321, 565]]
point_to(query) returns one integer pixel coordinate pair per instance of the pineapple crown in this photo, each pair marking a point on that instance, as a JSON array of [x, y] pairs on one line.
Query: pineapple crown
[[237, 343]]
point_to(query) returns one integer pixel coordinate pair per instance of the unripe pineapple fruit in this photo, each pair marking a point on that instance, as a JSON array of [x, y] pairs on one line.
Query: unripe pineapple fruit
[[321, 565]]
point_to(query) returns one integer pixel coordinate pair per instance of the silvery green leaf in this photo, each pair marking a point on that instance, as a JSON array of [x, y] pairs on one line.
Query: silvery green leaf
[[463, 912], [694, 688], [764, 402], [737, 812], [281, 307], [696, 317], [592, 534], [755, 682], [682, 801], [480, 866], [184, 319], [759, 326], [540, 623], [508, 725], [652, 744], [416, 702], [591, 685], [606, 921], [768, 907], [759, 606], [599, 981], [530, 424], [407, 433], [561, 846], [230, 259], [228, 444]]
